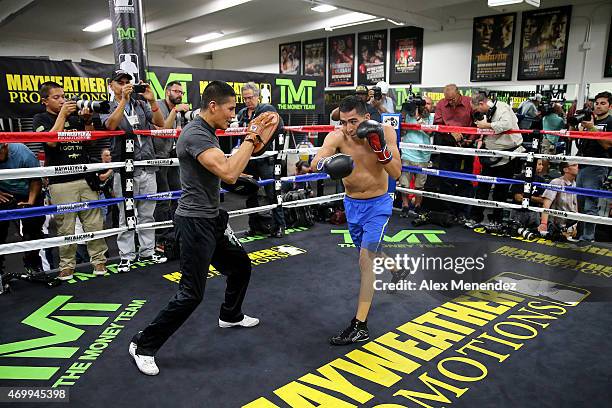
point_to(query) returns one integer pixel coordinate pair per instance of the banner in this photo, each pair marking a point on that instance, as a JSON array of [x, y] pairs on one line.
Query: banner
[[371, 60], [406, 55], [20, 79], [608, 59], [313, 57], [289, 58], [493, 48], [128, 37], [544, 37], [341, 59]]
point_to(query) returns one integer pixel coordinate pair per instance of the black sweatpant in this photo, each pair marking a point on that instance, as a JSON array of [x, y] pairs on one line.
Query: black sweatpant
[[264, 169], [203, 241], [32, 229], [500, 192]]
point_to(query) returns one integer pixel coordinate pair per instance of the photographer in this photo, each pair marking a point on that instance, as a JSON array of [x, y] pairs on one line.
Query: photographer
[[593, 176], [552, 119], [498, 116], [62, 115], [129, 113], [528, 112], [362, 92], [379, 99], [557, 200], [167, 177], [414, 111]]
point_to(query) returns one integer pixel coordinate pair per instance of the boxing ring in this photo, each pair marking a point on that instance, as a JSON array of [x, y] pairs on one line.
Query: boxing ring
[[541, 342]]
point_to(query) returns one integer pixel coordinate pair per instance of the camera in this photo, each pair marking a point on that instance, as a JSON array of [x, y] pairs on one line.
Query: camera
[[94, 106], [139, 88], [477, 116], [580, 116], [413, 103], [377, 93], [191, 115]]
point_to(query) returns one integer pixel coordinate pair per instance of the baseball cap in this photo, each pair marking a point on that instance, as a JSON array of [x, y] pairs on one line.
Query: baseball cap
[[361, 89], [118, 74]]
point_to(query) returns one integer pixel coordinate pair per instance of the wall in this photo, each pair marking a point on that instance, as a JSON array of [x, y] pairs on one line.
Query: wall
[[446, 54]]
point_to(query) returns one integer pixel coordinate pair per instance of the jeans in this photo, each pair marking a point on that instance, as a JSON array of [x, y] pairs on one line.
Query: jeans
[[590, 177]]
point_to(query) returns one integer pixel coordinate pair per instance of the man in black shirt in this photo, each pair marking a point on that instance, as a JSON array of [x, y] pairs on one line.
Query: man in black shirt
[[71, 188], [591, 176], [202, 228], [260, 167]]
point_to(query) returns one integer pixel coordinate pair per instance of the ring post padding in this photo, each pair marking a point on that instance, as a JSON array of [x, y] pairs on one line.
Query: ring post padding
[[128, 180], [534, 147]]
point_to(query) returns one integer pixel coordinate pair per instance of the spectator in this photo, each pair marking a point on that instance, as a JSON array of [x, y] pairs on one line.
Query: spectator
[[72, 188], [562, 201], [262, 167], [128, 113], [554, 120], [418, 158], [383, 104], [21, 193], [455, 110], [362, 92], [527, 112], [529, 219], [593, 176], [498, 116], [168, 178], [110, 213]]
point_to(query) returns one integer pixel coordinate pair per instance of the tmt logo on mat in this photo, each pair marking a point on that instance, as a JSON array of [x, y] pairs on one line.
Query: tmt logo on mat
[[401, 238], [62, 332]]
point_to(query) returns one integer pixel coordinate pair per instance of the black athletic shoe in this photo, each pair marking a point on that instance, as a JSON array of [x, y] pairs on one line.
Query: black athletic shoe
[[356, 332]]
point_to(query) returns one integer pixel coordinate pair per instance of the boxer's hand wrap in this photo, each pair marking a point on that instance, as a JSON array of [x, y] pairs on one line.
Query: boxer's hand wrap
[[375, 133], [337, 166]]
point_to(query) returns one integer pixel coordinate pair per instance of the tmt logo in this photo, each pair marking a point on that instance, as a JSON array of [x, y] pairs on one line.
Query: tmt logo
[[295, 99], [126, 33], [60, 329], [408, 236]]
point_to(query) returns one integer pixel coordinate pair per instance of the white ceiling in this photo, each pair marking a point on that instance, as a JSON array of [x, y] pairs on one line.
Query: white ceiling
[[168, 23]]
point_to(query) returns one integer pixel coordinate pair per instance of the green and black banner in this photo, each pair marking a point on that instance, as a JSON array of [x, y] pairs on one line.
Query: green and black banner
[[20, 79]]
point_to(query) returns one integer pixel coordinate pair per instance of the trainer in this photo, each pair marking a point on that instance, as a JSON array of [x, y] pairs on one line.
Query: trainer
[[202, 229]]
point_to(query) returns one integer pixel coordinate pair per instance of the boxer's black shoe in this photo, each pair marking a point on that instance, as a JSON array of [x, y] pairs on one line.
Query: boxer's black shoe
[[356, 332]]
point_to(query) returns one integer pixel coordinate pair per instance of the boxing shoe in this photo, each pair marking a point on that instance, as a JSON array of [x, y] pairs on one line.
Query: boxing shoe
[[356, 332], [247, 321]]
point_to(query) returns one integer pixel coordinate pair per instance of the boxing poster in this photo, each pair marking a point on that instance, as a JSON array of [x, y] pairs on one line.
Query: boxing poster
[[406, 55], [313, 57], [371, 60], [289, 58], [341, 57], [544, 37], [608, 61], [493, 48]]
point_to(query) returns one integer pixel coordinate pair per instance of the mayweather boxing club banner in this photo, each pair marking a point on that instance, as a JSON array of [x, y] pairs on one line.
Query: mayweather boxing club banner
[[20, 79], [544, 37], [372, 48], [493, 48]]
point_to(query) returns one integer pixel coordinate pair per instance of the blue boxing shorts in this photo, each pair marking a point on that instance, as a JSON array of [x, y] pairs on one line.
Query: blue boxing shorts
[[368, 219]]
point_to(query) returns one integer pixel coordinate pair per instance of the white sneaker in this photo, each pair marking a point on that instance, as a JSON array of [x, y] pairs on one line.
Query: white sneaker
[[146, 364], [247, 321]]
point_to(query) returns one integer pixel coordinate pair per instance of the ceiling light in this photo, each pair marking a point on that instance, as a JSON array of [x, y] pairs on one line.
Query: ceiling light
[[324, 8], [397, 23], [498, 3], [205, 37], [99, 26], [336, 27]]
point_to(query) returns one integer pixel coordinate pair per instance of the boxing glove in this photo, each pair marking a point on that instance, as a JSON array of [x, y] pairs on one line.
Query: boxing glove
[[375, 133], [337, 166]]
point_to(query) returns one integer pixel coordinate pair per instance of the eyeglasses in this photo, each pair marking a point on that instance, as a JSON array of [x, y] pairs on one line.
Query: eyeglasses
[[177, 91]]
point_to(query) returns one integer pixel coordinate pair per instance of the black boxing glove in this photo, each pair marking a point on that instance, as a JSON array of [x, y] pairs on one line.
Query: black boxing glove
[[337, 166], [375, 133]]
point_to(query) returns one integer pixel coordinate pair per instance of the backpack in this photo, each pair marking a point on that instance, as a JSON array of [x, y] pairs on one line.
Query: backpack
[[298, 216]]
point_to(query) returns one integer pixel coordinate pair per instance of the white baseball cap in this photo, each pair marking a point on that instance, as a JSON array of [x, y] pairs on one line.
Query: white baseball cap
[[384, 87]]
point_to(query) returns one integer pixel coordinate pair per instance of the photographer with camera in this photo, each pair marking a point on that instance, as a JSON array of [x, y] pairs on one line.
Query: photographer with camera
[[62, 115], [561, 201], [528, 112], [362, 92], [498, 116], [591, 176], [130, 112], [379, 100], [167, 177], [553, 118], [414, 111]]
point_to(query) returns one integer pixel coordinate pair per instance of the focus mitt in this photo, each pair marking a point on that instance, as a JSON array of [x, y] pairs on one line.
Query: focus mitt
[[337, 166], [261, 131], [244, 186]]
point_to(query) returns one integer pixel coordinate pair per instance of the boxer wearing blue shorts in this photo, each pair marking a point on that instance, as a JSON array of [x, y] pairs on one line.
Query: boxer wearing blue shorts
[[367, 220]]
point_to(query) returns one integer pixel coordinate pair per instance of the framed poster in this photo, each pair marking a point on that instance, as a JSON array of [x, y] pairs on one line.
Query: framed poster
[[406, 55], [544, 36], [608, 59], [341, 60], [371, 60], [289, 56], [493, 48], [313, 57]]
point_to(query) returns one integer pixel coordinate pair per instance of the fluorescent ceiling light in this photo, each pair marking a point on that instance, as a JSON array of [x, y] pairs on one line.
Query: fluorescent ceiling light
[[205, 37], [99, 26], [498, 3], [397, 23], [324, 8], [370, 20]]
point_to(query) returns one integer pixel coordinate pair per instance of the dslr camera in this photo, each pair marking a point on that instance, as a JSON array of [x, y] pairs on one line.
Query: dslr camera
[[413, 103], [191, 115], [139, 88], [580, 116], [94, 106], [377, 92]]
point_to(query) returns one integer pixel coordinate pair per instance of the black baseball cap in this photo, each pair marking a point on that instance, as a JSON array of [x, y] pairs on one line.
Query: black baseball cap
[[361, 89], [118, 74]]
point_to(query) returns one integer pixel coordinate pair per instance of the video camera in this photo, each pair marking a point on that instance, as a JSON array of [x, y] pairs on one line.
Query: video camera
[[580, 116], [413, 103], [547, 104], [377, 92], [94, 106]]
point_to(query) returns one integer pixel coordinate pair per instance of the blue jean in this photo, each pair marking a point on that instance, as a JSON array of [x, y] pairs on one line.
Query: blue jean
[[590, 177]]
